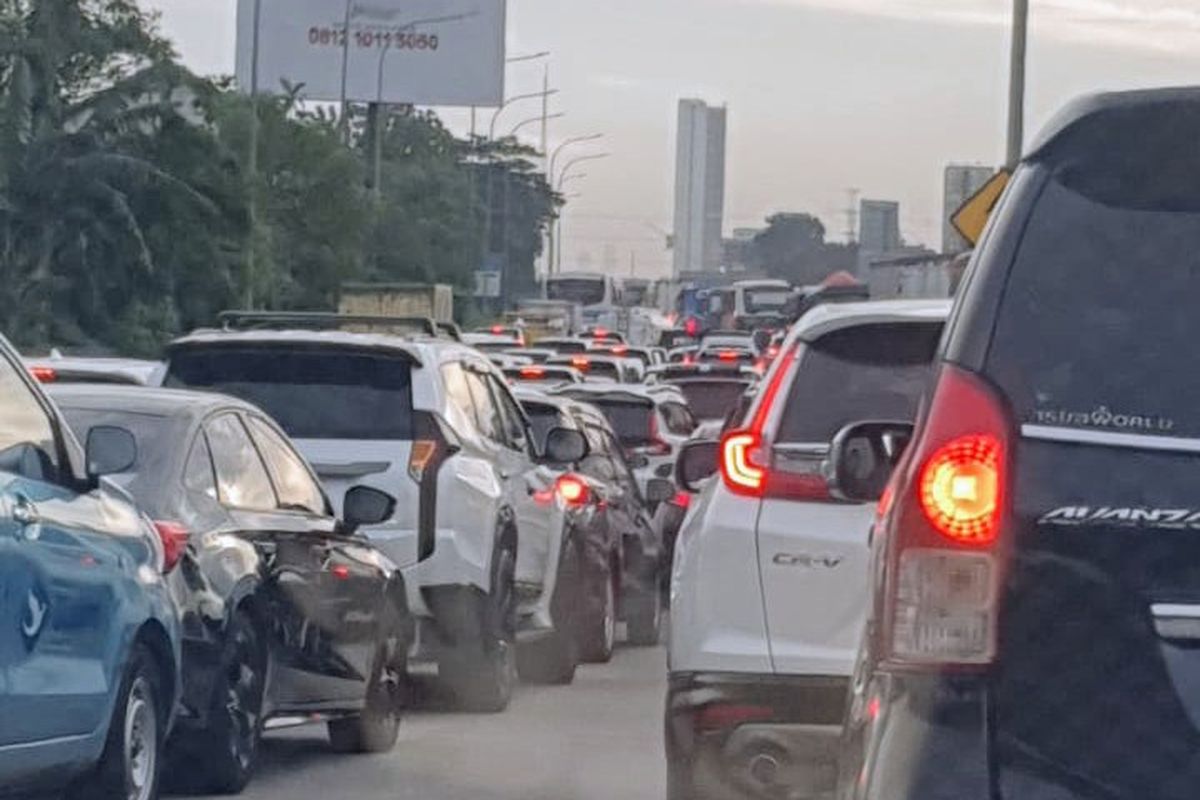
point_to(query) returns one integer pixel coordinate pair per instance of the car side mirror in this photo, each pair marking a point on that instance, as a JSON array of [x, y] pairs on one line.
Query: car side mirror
[[862, 457], [110, 450], [565, 446], [696, 463], [366, 506], [659, 490]]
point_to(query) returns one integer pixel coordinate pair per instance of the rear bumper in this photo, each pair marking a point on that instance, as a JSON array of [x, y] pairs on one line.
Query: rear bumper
[[738, 735]]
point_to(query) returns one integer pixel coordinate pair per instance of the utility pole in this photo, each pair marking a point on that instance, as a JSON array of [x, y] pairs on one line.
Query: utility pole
[[1016, 86], [343, 121]]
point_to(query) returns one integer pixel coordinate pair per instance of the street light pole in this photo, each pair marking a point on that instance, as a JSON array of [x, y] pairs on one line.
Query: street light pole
[[563, 177], [514, 99], [531, 120], [1016, 86], [343, 122], [252, 157]]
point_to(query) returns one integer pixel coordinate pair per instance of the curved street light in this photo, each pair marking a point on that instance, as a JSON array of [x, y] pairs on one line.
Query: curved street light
[[579, 160], [565, 144], [514, 99], [532, 120]]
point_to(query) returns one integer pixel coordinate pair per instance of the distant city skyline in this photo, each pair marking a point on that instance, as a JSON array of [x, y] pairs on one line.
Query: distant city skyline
[[879, 95]]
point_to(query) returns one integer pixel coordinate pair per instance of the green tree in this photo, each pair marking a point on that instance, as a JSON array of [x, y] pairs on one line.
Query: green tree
[[79, 79]]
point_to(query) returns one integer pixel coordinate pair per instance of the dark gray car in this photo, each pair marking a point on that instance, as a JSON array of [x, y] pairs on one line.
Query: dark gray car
[[287, 615]]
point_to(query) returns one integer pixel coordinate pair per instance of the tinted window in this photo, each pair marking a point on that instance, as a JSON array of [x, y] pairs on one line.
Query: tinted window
[[679, 420], [27, 445], [198, 473], [320, 394], [242, 480], [152, 432], [543, 419], [712, 399], [864, 372], [295, 485], [632, 421], [1097, 328]]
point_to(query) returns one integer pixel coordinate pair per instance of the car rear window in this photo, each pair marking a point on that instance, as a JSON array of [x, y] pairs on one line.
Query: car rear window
[[630, 419], [712, 399], [319, 394], [1097, 325], [864, 372], [593, 368]]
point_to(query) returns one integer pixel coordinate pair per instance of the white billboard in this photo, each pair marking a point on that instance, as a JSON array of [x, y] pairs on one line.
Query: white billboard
[[424, 52]]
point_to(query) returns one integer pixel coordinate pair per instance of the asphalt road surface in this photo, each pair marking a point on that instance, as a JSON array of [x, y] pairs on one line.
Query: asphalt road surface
[[598, 739]]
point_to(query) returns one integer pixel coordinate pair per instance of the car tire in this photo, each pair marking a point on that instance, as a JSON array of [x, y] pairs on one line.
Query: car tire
[[130, 766], [481, 675], [599, 638], [376, 729], [644, 618], [552, 660], [222, 757]]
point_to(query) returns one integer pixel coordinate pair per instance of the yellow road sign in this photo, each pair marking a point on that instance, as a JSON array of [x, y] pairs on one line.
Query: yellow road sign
[[972, 216]]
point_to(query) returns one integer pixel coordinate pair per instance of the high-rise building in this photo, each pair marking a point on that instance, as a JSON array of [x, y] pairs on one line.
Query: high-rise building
[[961, 182], [699, 187], [879, 226]]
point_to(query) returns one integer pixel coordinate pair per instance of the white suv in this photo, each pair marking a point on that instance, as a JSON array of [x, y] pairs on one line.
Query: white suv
[[434, 424], [769, 581]]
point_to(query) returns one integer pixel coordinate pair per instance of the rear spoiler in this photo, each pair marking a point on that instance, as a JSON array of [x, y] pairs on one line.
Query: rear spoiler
[[320, 320]]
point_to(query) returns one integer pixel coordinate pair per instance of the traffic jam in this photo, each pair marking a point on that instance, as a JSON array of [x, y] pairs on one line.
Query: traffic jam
[[894, 548]]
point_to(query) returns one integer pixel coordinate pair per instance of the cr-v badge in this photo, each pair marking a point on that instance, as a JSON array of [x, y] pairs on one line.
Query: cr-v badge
[[807, 560]]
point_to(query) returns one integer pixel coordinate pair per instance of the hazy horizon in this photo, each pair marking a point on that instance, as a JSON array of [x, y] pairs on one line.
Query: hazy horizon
[[823, 95]]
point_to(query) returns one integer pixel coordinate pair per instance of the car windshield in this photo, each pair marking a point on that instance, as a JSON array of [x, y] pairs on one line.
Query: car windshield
[[866, 372], [319, 394]]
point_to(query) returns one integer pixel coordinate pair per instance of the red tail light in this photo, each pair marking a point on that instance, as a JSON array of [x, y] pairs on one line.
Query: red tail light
[[945, 509], [681, 499], [619, 350], [44, 374], [497, 329], [772, 351], [581, 363], [573, 490], [691, 327], [533, 372], [727, 355], [340, 571], [174, 538]]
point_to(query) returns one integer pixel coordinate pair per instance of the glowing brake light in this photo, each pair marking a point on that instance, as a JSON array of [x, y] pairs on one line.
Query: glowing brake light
[[579, 362], [497, 329], [571, 489], [727, 355], [681, 499], [619, 350], [960, 489], [691, 327], [44, 374], [533, 372], [738, 469]]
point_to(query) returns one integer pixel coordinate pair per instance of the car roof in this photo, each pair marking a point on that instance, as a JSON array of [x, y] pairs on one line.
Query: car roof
[[143, 400], [834, 316], [132, 369], [417, 349]]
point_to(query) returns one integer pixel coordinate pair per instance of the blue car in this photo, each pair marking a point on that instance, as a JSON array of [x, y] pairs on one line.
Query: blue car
[[89, 638]]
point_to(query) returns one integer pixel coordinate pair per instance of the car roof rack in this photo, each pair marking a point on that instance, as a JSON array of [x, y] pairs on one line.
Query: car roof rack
[[323, 320]]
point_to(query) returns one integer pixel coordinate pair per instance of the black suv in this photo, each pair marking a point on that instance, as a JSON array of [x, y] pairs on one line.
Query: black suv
[[1034, 630]]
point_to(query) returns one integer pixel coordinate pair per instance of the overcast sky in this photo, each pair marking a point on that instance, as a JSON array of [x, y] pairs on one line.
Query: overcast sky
[[823, 95]]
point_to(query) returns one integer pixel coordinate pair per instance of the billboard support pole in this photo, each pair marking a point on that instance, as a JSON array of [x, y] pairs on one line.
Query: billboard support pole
[[343, 122], [252, 156]]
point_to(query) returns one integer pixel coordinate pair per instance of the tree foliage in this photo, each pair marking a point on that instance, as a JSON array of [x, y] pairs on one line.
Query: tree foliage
[[128, 212], [793, 247]]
